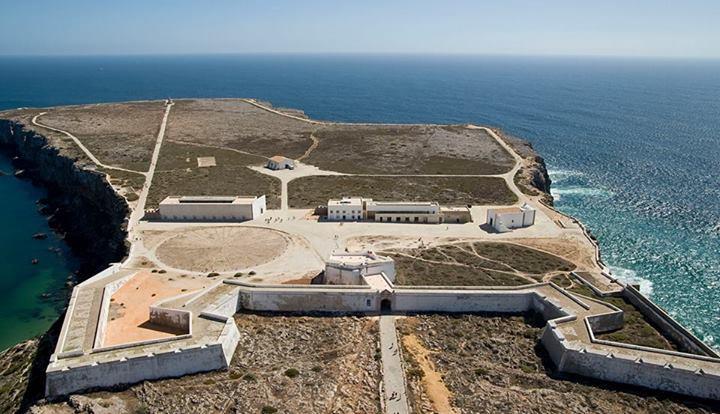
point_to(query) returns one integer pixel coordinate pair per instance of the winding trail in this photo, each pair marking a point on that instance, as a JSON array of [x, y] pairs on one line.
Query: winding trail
[[82, 146]]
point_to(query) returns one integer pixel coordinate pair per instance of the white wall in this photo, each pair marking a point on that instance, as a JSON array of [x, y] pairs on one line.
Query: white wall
[[173, 363]]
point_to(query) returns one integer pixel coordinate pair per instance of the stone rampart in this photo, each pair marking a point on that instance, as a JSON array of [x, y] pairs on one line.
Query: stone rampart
[[173, 363]]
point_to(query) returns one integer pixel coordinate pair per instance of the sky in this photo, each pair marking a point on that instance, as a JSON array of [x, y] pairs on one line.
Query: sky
[[660, 28]]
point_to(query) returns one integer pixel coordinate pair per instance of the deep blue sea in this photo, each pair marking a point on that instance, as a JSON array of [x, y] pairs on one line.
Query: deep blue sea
[[633, 146]]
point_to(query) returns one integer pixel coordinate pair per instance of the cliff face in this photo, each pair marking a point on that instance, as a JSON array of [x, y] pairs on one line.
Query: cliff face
[[81, 203], [532, 178]]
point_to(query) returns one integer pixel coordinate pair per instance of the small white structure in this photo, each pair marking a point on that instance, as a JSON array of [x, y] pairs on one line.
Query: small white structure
[[505, 219], [349, 268], [278, 162], [212, 208], [347, 208]]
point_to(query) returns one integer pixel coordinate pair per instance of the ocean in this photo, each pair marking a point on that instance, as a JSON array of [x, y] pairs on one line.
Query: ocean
[[632, 146]]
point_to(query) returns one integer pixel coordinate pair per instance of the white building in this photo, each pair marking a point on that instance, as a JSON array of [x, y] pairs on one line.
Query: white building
[[278, 162], [505, 219], [345, 268], [404, 212], [212, 208], [347, 208]]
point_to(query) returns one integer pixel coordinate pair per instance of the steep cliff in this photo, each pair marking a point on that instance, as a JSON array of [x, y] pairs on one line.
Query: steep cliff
[[84, 208], [532, 178], [81, 203]]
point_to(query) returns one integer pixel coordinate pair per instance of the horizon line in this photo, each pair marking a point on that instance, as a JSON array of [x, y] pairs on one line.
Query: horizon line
[[350, 54]]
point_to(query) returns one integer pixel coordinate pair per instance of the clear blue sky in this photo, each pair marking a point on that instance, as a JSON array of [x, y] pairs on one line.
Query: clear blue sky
[[675, 28]]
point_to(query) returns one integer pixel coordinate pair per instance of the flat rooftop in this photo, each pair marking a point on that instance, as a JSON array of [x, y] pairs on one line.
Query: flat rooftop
[[345, 201], [405, 203], [507, 210], [208, 200], [356, 259]]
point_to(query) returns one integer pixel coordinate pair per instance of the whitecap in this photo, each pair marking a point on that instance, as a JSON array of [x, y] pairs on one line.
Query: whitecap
[[630, 276], [559, 175], [557, 193]]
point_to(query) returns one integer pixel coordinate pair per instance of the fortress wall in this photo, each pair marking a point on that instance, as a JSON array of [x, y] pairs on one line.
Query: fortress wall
[[275, 300], [651, 371], [653, 374], [666, 323], [229, 338], [108, 291], [173, 363], [414, 300]]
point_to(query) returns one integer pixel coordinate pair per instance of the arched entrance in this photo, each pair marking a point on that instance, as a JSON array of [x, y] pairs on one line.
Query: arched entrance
[[385, 306]]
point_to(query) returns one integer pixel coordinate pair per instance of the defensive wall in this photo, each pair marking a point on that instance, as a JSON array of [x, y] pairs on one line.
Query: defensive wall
[[568, 336]]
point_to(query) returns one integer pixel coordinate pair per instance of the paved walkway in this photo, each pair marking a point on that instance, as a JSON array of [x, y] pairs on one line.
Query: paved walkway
[[392, 368]]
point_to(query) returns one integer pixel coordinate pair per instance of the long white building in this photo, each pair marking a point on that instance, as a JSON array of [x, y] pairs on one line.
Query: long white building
[[358, 208], [212, 208], [404, 212]]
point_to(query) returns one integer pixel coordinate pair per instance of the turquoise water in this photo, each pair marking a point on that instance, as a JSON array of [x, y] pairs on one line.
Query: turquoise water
[[24, 312], [632, 145]]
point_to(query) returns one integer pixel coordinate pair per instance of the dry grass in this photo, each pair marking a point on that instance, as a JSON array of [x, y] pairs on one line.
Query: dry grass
[[312, 191], [409, 149], [474, 264], [178, 174], [122, 135], [637, 329], [236, 124]]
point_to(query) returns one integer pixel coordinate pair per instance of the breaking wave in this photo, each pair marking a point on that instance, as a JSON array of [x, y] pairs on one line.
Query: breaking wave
[[631, 277]]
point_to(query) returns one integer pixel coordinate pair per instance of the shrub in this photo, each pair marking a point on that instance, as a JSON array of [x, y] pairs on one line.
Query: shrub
[[481, 371], [268, 410], [252, 273], [250, 377], [213, 274], [292, 373], [162, 271], [316, 368]]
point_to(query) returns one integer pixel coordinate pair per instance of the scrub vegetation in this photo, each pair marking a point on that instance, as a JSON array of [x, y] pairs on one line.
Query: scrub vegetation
[[408, 149], [178, 173], [490, 363], [308, 192]]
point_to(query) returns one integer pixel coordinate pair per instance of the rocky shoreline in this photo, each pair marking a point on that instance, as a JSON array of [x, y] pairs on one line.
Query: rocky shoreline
[[83, 208]]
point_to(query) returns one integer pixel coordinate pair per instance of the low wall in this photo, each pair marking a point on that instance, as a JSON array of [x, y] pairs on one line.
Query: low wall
[[666, 323], [108, 291], [174, 363], [171, 318]]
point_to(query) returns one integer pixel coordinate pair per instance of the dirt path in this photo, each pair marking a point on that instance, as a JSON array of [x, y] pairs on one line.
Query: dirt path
[[82, 146], [315, 143], [432, 381]]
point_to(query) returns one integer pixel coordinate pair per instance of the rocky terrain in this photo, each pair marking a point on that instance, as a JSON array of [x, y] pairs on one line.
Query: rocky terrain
[[489, 364], [284, 364]]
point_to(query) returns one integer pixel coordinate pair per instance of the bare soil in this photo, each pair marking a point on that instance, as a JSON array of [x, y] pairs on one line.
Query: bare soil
[[495, 364], [408, 149], [308, 192], [222, 249]]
